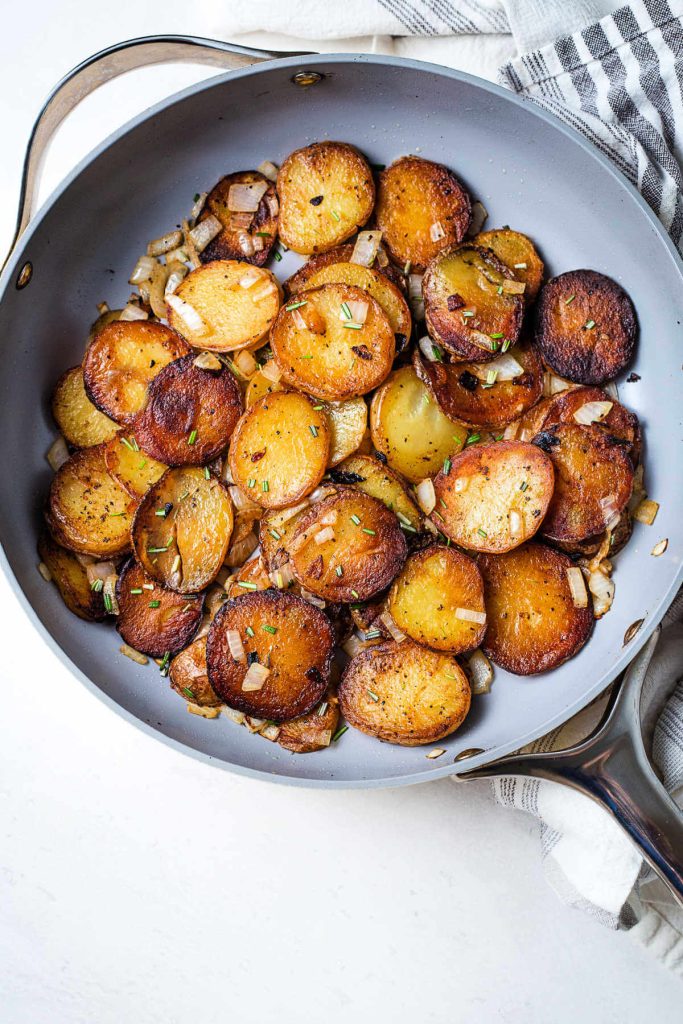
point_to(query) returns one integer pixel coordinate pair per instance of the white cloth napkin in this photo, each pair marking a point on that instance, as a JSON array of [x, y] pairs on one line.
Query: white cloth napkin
[[616, 74]]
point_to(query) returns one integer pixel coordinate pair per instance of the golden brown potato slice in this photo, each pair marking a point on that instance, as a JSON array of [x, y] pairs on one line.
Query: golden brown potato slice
[[79, 421], [580, 402], [313, 731], [593, 480], [347, 547], [404, 693], [225, 305], [190, 414], [269, 654], [258, 386], [71, 580], [188, 675], [421, 209], [299, 280], [468, 308], [121, 361], [348, 422], [280, 449], [519, 254], [410, 429], [322, 350], [131, 468], [585, 327], [246, 235], [533, 624], [182, 527], [152, 619], [374, 283], [438, 600], [87, 510], [326, 193], [373, 477], [492, 497], [464, 393]]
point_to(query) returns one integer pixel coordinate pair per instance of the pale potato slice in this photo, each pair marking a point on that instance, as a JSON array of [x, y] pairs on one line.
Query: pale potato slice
[[225, 305], [348, 423], [370, 475], [313, 731], [326, 193], [259, 386], [323, 351], [132, 468], [410, 429], [188, 676], [71, 580], [518, 253], [79, 421], [280, 448], [438, 600], [404, 693], [374, 283]]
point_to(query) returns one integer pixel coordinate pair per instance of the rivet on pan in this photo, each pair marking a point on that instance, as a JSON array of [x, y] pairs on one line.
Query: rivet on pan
[[24, 275], [470, 752], [306, 78]]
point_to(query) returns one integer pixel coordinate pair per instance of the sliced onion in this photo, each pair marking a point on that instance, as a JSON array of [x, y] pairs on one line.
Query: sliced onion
[[226, 474], [131, 311], [246, 243], [366, 248], [177, 272], [100, 571], [198, 205], [270, 732], [387, 621], [255, 677], [102, 308], [298, 319], [241, 221], [136, 656], [611, 390], [479, 216], [602, 589], [143, 270], [84, 560], [436, 752], [592, 412], [436, 231], [246, 364], [188, 314], [552, 384], [273, 205], [428, 349], [160, 246], [205, 232], [322, 536], [257, 242], [239, 499], [481, 672], [57, 454], [504, 366], [282, 577], [245, 197], [516, 524], [207, 361], [358, 310], [646, 511], [426, 496], [179, 255], [482, 340], [285, 514], [511, 431], [268, 170], [470, 615], [313, 599], [156, 291], [577, 586], [250, 277], [354, 645], [511, 287], [415, 286], [235, 645], [238, 717], [321, 491], [265, 290], [660, 547], [241, 549], [271, 371]]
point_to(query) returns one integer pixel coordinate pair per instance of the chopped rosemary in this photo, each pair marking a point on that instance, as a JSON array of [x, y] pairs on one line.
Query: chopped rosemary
[[277, 255], [373, 696], [263, 234], [408, 527], [340, 732], [314, 430], [249, 631], [353, 327], [472, 438], [161, 512], [499, 289], [406, 269], [246, 585], [318, 407], [339, 570], [569, 300], [116, 515], [192, 438], [154, 604], [323, 708], [482, 533], [447, 466], [207, 474], [264, 486], [367, 530], [355, 520], [346, 312], [335, 215], [97, 585], [157, 551], [275, 534], [505, 346], [269, 629], [131, 447], [589, 325], [372, 634], [163, 667], [251, 482], [188, 693], [296, 305], [107, 602], [354, 593], [305, 357], [133, 590], [491, 376], [523, 486], [498, 334]]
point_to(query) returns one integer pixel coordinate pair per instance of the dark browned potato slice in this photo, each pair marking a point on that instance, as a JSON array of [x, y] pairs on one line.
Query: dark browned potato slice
[[493, 496], [276, 529], [313, 731], [79, 421], [326, 193], [620, 535], [462, 391], [467, 308], [619, 421], [533, 624], [421, 209], [410, 429], [290, 637], [122, 359], [519, 254], [317, 353], [87, 510], [190, 414], [241, 232], [152, 619], [593, 480], [436, 599], [131, 468], [363, 550], [188, 675], [404, 693], [372, 477], [585, 326], [374, 283], [225, 305], [279, 449], [185, 545], [71, 580]]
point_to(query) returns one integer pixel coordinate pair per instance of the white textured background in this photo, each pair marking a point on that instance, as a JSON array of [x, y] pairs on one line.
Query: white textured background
[[137, 885]]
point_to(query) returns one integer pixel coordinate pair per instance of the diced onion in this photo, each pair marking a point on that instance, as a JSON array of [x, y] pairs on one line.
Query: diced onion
[[109, 590], [235, 645], [255, 677], [428, 349], [239, 499], [205, 232], [482, 340], [235, 716], [382, 258], [160, 246], [156, 290], [282, 577], [273, 205], [470, 615], [646, 511], [366, 248], [57, 454], [177, 271], [479, 216], [358, 310], [245, 363], [330, 518], [179, 255], [208, 361], [313, 599], [504, 366], [257, 242], [552, 384], [241, 221], [99, 571], [461, 484], [511, 431], [436, 231], [660, 548], [481, 672], [578, 587], [102, 308], [241, 549], [143, 270], [188, 314], [136, 656], [592, 412], [246, 243], [195, 709], [426, 496], [511, 287], [44, 572], [266, 289], [270, 732], [387, 621], [245, 197], [268, 170], [602, 589], [131, 311], [250, 277], [415, 286], [198, 205], [515, 524], [271, 371], [322, 536], [254, 724], [611, 390]]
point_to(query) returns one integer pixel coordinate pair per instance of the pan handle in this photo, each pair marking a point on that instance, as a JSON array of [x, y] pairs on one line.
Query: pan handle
[[611, 766], [104, 66]]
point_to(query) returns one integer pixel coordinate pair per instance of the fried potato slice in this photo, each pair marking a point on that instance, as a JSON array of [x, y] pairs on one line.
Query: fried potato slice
[[421, 209], [259, 386], [326, 193], [467, 309], [132, 469], [593, 480], [79, 421], [404, 693], [190, 413], [462, 391], [533, 624], [276, 529], [153, 619], [493, 496], [585, 327], [410, 429], [87, 510], [283, 633], [300, 278], [184, 546], [122, 359], [363, 548], [517, 252], [71, 580], [374, 283], [313, 731], [188, 676], [242, 232], [225, 305], [373, 477], [619, 421], [317, 353], [436, 598], [348, 422], [281, 445]]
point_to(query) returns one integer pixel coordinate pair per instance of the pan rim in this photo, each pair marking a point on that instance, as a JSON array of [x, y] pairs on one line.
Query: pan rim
[[312, 62]]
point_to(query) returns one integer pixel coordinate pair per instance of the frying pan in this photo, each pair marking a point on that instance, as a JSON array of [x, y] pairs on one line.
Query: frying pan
[[528, 169]]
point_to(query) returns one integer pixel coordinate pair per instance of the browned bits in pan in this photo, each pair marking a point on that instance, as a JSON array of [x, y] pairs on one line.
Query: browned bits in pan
[[79, 421], [71, 579], [153, 619], [246, 235], [519, 254]]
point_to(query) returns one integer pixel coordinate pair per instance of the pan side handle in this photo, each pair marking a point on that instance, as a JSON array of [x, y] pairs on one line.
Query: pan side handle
[[104, 66], [611, 766]]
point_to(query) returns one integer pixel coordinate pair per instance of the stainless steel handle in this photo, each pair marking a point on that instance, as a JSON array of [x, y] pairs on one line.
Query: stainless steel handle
[[611, 766], [104, 66]]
